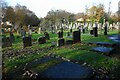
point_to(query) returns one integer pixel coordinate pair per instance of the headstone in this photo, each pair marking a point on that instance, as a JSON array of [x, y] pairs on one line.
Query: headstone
[[76, 37], [83, 30], [39, 30], [42, 40], [95, 32], [69, 42], [60, 34], [6, 42], [47, 36], [12, 38], [27, 41], [23, 33], [71, 30], [29, 31], [91, 32], [105, 29], [61, 42]]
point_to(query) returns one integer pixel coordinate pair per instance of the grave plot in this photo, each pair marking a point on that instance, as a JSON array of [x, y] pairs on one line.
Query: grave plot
[[115, 38], [105, 50], [68, 70], [103, 44]]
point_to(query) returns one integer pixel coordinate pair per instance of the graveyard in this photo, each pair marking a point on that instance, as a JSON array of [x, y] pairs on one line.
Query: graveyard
[[59, 40], [59, 56]]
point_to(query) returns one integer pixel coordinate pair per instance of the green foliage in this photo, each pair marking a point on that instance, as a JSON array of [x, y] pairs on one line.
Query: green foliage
[[101, 20]]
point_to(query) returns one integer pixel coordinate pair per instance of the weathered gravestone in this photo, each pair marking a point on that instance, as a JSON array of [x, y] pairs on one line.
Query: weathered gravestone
[[76, 36], [47, 36], [42, 40], [23, 33], [27, 41], [12, 38], [61, 42], [6, 42], [60, 34], [29, 30]]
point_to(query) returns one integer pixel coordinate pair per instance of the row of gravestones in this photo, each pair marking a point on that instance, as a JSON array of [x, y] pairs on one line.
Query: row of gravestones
[[95, 31], [27, 41], [76, 38]]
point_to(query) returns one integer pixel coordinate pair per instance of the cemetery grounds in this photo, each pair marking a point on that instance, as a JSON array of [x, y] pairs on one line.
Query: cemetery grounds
[[39, 57]]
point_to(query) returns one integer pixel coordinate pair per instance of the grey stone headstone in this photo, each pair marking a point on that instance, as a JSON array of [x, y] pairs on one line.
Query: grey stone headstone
[[6, 42], [27, 41], [12, 38], [23, 33]]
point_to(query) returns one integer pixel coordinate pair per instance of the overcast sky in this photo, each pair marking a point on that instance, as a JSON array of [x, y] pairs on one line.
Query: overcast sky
[[41, 7]]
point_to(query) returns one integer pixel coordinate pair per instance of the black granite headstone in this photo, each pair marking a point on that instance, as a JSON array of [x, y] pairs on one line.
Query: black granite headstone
[[91, 32], [42, 40], [71, 30], [27, 41], [105, 29], [6, 42], [95, 31], [61, 42], [83, 30], [76, 37], [60, 34]]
